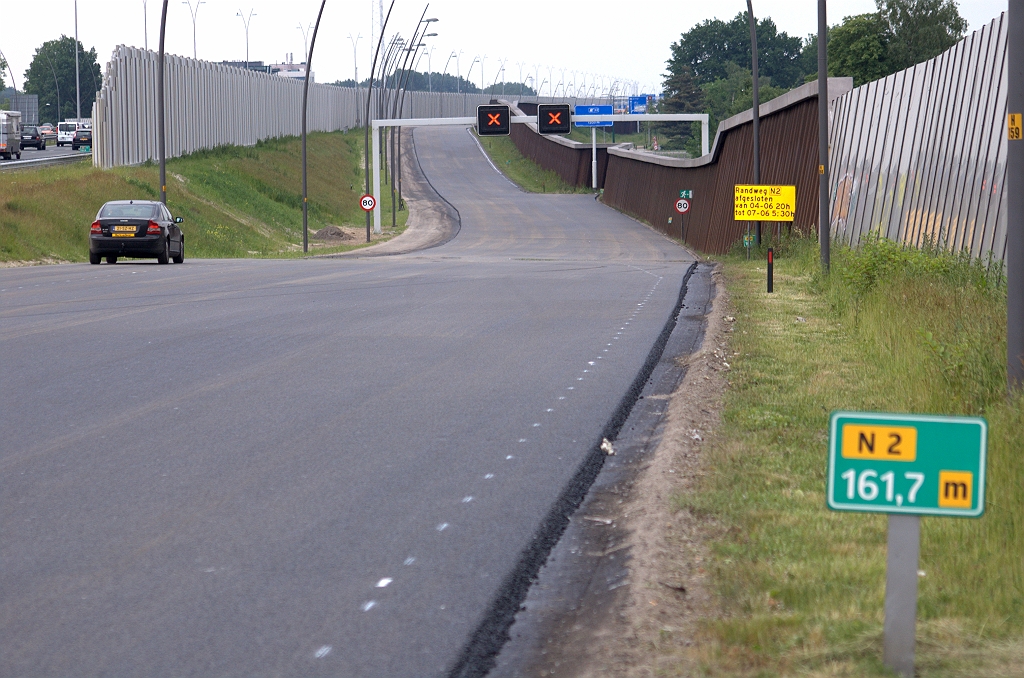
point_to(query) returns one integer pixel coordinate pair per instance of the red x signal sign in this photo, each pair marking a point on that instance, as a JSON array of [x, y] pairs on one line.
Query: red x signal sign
[[493, 120], [553, 119]]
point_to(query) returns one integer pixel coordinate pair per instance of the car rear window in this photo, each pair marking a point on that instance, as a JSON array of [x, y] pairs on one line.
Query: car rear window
[[122, 211], [67, 128], [28, 129]]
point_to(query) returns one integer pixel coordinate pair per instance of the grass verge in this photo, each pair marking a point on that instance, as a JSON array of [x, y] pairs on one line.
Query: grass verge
[[801, 588], [236, 201], [524, 172]]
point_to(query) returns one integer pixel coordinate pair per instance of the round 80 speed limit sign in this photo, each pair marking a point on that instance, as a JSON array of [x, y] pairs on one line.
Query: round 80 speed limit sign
[[682, 206], [367, 202]]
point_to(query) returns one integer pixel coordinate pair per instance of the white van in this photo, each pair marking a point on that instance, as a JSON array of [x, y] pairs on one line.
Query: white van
[[66, 132]]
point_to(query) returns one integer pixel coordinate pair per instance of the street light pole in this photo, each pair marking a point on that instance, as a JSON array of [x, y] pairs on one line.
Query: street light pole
[[824, 217], [305, 96], [55, 83], [161, 122], [246, 20], [193, 12], [305, 39], [355, 61], [145, 26], [78, 86]]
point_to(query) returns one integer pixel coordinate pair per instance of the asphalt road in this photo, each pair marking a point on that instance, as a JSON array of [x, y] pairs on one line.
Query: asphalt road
[[52, 151], [309, 468]]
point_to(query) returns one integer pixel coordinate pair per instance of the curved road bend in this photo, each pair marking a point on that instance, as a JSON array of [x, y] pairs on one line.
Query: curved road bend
[[309, 468]]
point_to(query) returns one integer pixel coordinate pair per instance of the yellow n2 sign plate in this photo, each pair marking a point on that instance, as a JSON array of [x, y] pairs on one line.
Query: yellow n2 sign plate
[[757, 202], [904, 463]]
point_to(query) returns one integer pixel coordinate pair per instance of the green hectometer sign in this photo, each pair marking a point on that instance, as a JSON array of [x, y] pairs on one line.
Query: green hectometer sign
[[902, 463]]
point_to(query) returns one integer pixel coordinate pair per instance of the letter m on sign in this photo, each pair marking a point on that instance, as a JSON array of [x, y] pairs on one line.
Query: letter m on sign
[[493, 120]]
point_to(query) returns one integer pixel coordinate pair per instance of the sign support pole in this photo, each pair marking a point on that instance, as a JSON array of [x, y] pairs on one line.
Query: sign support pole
[[904, 546], [376, 180], [593, 156]]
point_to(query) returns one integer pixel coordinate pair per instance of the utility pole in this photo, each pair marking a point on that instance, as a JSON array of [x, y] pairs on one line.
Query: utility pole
[[1015, 199], [305, 97], [145, 26], [193, 12], [824, 211], [78, 88], [757, 112]]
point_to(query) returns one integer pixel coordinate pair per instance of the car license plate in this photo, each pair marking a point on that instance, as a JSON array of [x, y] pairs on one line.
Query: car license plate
[[122, 235], [125, 229]]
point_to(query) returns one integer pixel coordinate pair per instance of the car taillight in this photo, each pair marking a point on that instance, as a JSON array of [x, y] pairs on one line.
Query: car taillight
[[153, 228], [96, 228]]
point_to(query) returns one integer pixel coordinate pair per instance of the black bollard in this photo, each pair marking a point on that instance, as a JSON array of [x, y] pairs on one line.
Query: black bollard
[[771, 270]]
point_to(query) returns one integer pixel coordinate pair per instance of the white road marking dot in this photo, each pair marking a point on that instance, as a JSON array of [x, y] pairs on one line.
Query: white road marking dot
[[522, 440], [509, 457], [571, 388], [579, 378], [384, 582], [369, 605], [551, 409], [466, 500], [591, 362], [561, 397], [442, 527], [410, 560], [322, 652], [536, 424], [488, 476]]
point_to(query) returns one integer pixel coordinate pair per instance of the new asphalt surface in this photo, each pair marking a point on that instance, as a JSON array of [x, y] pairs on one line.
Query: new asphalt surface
[[326, 467]]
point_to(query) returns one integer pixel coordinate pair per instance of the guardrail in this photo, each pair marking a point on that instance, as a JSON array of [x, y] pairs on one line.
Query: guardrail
[[14, 165]]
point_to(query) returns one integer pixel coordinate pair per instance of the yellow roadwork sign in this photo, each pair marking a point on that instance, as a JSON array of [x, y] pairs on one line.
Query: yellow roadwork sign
[[764, 203]]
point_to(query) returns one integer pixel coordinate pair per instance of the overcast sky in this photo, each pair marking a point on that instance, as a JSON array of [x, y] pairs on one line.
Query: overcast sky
[[622, 40]]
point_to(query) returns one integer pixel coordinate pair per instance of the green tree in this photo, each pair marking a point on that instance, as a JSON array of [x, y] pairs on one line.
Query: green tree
[[51, 75], [709, 46], [919, 30], [900, 34], [859, 48], [681, 94]]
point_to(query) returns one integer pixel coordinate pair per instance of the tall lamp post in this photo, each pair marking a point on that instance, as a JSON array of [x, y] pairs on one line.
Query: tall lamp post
[[193, 12], [246, 20], [161, 122], [78, 86], [305, 39], [55, 83], [145, 26], [355, 62], [305, 96]]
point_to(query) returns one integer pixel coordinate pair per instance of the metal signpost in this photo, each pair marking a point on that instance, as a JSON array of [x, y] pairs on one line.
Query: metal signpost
[[593, 125], [683, 206], [907, 466]]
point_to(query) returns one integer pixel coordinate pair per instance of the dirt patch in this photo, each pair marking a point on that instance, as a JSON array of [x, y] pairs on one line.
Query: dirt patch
[[334, 235]]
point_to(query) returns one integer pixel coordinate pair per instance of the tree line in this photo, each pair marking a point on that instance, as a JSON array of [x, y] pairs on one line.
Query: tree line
[[444, 82], [709, 70], [51, 76]]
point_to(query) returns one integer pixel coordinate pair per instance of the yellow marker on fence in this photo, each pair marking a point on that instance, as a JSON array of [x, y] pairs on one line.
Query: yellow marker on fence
[[754, 202], [1013, 126]]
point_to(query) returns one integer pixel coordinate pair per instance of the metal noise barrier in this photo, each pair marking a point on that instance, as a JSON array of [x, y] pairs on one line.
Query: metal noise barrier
[[919, 157], [210, 105]]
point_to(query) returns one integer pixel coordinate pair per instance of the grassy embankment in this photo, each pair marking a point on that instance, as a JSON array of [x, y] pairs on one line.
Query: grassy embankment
[[801, 588], [236, 201], [526, 174]]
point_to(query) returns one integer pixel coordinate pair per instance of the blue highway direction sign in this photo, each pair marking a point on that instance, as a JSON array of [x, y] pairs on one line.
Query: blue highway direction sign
[[594, 110]]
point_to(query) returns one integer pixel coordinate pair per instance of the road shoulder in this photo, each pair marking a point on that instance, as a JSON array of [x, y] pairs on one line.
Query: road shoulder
[[624, 591]]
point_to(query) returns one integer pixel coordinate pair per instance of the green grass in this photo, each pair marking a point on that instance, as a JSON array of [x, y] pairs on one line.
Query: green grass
[[236, 201], [801, 588], [526, 174]]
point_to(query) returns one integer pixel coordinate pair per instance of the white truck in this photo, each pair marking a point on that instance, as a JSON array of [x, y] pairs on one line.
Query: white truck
[[10, 135]]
